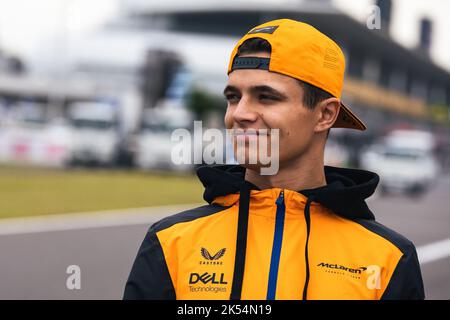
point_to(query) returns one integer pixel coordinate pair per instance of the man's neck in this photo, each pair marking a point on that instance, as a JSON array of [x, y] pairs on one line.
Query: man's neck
[[298, 175]]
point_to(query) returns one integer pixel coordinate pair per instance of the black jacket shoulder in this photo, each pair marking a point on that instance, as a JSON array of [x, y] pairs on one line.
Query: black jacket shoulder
[[187, 215], [149, 277]]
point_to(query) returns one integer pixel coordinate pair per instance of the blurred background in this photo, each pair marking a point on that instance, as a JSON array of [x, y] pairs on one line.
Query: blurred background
[[90, 92]]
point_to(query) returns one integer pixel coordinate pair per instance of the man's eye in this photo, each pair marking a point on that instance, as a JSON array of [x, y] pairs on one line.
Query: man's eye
[[268, 97], [232, 98]]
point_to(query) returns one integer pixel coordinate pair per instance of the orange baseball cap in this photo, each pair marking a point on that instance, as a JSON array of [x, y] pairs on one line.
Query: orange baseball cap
[[302, 52]]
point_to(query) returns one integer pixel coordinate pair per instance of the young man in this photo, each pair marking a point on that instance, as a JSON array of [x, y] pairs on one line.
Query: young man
[[303, 233]]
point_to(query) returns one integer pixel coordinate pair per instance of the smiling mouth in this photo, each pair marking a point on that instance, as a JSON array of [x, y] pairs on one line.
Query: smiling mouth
[[250, 132]]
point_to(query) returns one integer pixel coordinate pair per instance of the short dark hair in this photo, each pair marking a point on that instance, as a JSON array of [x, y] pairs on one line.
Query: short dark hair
[[312, 94]]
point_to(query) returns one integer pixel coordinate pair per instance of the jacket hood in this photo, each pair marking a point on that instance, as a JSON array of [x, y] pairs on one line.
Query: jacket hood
[[344, 194]]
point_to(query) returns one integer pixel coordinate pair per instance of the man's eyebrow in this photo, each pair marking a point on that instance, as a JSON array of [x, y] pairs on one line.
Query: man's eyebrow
[[229, 88], [256, 89]]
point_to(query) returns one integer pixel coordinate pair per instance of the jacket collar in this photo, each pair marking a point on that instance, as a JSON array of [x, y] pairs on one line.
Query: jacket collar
[[344, 194]]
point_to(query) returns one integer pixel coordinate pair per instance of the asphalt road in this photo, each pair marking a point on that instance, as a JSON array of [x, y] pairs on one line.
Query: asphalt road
[[35, 255]]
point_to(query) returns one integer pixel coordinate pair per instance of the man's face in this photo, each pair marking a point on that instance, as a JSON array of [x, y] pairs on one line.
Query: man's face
[[259, 99]]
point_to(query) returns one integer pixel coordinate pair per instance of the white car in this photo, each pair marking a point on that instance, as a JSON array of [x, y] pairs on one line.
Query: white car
[[401, 169]]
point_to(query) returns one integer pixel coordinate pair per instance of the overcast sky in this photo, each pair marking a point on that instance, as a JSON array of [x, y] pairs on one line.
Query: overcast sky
[[25, 25]]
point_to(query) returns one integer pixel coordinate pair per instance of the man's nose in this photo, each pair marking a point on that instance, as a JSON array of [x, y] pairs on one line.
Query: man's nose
[[245, 112]]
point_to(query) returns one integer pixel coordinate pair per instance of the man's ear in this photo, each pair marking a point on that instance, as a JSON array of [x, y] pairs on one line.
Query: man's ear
[[327, 113]]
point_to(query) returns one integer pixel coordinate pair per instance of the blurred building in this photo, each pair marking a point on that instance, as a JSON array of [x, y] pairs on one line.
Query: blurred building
[[137, 56], [384, 81], [386, 84]]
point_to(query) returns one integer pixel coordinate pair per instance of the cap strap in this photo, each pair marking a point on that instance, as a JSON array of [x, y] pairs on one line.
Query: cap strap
[[250, 63]]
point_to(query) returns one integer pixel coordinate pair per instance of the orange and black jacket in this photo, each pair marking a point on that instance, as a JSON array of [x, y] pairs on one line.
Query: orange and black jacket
[[247, 243]]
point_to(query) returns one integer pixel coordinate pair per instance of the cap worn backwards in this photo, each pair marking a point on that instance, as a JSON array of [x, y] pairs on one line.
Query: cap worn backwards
[[300, 51]]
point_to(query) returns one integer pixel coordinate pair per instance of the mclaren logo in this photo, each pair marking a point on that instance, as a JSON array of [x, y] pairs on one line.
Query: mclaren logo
[[212, 259], [342, 270]]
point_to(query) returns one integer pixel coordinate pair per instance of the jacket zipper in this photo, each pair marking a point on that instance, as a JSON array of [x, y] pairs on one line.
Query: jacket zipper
[[276, 248]]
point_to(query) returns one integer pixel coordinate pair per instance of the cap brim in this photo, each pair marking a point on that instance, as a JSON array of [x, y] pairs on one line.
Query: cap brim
[[347, 119]]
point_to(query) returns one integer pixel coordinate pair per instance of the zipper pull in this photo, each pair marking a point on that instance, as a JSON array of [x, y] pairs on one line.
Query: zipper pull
[[280, 199]]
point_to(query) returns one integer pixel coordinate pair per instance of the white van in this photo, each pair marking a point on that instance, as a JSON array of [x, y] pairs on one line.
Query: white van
[[94, 132]]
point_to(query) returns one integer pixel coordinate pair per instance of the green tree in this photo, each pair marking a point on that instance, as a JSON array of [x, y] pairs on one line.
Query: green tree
[[201, 103]]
